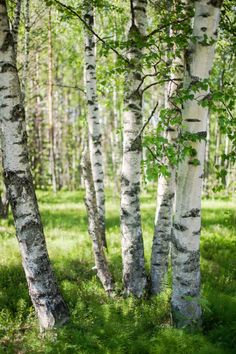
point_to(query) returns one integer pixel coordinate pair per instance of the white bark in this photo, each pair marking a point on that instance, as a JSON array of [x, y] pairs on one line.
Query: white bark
[[166, 187], [134, 277], [116, 144], [94, 225], [43, 289], [187, 222], [94, 125]]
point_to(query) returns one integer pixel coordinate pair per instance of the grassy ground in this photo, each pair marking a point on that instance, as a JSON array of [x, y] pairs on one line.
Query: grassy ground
[[102, 325]]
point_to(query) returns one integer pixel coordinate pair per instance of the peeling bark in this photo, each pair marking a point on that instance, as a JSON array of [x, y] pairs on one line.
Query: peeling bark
[[43, 288], [134, 276], [94, 125], [186, 307]]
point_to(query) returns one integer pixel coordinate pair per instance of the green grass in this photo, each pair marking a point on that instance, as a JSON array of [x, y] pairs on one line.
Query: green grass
[[102, 325]]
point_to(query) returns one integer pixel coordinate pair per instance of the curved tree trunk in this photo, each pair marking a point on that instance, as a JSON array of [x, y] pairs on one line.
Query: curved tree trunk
[[43, 289], [95, 136], [134, 276], [94, 224], [187, 221]]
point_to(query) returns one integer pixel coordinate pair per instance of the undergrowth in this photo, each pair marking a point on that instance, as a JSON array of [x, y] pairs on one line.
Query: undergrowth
[[115, 325]]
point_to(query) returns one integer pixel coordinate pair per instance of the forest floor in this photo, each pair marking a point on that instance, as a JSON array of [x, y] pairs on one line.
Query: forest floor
[[116, 325]]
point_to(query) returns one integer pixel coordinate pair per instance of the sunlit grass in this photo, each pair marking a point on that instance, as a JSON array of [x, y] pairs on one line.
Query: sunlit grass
[[102, 325]]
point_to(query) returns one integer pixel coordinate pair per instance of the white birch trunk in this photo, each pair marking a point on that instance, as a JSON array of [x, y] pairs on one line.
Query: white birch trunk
[[94, 225], [43, 289], [134, 276], [94, 125], [116, 145], [166, 186], [186, 307], [166, 190]]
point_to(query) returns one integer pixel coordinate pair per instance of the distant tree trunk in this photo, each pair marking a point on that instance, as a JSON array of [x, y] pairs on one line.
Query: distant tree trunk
[[94, 224], [95, 136], [26, 49], [186, 306], [50, 106], [116, 143], [16, 23], [115, 135], [207, 161], [134, 276], [4, 205], [43, 289]]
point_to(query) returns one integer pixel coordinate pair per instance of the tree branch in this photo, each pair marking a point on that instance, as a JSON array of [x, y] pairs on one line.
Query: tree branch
[[145, 124], [76, 14], [160, 28], [132, 13]]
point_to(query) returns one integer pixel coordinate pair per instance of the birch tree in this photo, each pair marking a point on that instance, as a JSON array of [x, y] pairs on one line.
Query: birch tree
[[4, 203], [94, 126], [95, 230], [187, 221], [167, 184], [43, 288], [134, 277]]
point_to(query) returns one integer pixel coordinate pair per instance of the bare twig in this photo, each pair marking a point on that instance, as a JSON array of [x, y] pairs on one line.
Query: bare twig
[[69, 86], [145, 124]]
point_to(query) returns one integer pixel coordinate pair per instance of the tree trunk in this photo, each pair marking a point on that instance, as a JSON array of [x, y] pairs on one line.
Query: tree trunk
[[166, 184], [186, 307], [50, 106], [4, 205], [134, 276], [26, 49], [207, 161], [94, 225], [16, 23], [43, 288], [94, 126]]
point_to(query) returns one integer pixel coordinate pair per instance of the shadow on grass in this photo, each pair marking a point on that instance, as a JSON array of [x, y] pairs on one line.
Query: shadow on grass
[[60, 197], [224, 217], [64, 219]]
